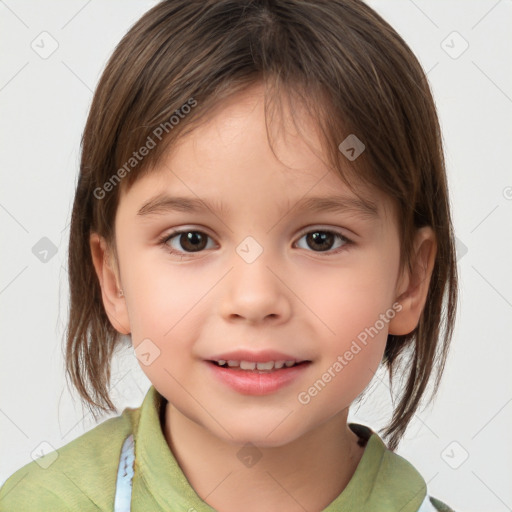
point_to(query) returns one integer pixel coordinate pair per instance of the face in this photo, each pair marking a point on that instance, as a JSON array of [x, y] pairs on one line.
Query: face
[[255, 271]]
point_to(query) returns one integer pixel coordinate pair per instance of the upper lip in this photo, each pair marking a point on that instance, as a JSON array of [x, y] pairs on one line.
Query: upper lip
[[256, 357]]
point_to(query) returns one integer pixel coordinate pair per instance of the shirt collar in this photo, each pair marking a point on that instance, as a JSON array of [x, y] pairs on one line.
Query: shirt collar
[[382, 481]]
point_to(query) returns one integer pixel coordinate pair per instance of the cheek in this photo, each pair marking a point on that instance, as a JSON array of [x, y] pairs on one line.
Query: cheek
[[348, 363], [167, 307], [350, 300], [353, 310], [160, 298]]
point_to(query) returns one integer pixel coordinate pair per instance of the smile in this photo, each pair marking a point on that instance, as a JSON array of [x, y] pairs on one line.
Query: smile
[[251, 365], [256, 378]]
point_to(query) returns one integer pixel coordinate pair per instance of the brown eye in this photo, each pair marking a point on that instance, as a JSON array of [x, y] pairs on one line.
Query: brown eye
[[187, 241], [323, 241]]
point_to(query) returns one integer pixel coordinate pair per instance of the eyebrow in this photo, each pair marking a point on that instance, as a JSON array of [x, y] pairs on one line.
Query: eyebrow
[[163, 203]]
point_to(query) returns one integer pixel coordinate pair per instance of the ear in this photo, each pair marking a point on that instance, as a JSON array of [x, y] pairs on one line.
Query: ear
[[107, 272], [414, 283]]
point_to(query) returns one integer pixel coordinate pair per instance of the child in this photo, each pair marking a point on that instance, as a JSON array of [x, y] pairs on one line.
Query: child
[[295, 144]]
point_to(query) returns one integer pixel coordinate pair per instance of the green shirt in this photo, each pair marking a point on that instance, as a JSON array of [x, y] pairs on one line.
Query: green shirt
[[83, 476]]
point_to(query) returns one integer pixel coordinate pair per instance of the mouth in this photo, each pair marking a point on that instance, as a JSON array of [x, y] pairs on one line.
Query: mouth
[[257, 367], [257, 377]]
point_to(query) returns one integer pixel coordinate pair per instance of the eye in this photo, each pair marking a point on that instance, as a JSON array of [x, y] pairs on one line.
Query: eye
[[323, 240], [190, 241]]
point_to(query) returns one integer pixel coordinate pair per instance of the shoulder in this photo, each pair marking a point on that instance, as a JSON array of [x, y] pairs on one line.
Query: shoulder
[[408, 480], [392, 482], [412, 483], [80, 475]]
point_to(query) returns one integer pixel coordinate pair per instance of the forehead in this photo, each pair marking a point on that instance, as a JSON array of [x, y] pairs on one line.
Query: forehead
[[229, 155]]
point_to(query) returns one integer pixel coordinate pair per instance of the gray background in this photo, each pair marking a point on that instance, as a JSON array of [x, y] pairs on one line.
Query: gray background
[[461, 443]]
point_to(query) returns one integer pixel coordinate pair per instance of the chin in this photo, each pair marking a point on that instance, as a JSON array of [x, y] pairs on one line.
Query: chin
[[268, 434]]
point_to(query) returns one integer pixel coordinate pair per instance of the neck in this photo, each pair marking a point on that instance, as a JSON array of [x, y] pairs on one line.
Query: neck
[[305, 474]]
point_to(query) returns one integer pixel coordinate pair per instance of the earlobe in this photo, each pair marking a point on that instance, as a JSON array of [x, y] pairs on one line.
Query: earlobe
[[113, 298], [415, 283]]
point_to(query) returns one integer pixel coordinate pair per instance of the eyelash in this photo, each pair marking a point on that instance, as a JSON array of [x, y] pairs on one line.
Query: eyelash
[[167, 237]]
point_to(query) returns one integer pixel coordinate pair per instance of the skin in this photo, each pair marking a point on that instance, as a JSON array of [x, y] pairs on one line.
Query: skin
[[294, 298]]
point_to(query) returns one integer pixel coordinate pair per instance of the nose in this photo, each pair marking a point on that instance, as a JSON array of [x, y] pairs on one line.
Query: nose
[[255, 292]]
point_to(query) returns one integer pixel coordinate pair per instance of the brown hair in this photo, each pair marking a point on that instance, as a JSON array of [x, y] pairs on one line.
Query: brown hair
[[353, 73]]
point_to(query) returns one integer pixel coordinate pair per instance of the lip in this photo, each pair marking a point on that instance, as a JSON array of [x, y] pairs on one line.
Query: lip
[[256, 357], [255, 382]]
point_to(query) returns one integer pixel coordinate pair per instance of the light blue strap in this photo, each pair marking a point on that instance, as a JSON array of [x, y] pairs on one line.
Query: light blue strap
[[124, 476], [426, 505]]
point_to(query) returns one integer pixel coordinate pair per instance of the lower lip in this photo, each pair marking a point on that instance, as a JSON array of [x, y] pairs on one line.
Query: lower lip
[[256, 383]]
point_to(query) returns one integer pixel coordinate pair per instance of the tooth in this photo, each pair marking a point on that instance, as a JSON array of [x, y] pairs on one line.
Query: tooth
[[265, 366], [250, 365]]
